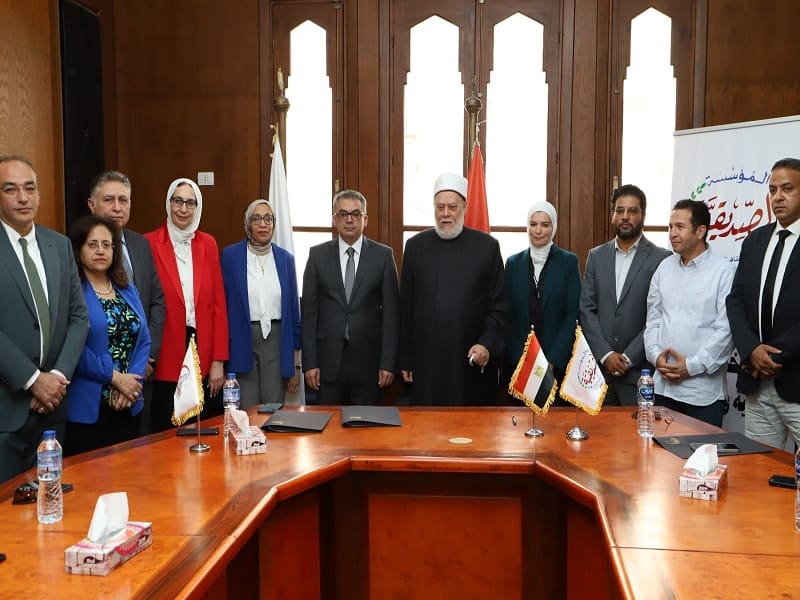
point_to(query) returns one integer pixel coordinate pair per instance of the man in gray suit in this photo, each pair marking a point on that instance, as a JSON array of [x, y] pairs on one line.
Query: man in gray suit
[[613, 304], [351, 311], [110, 197], [43, 322]]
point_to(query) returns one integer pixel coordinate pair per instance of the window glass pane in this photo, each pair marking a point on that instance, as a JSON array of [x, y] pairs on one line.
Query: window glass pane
[[648, 118], [433, 118], [516, 128], [309, 125], [303, 240]]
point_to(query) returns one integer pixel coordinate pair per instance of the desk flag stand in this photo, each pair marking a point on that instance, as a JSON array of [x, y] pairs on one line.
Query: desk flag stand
[[189, 394], [534, 431], [577, 433]]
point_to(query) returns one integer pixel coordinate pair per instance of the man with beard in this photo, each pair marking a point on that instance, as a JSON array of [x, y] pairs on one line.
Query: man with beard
[[613, 310], [453, 310]]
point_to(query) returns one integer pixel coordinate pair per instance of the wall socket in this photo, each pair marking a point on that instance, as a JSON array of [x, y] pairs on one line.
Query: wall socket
[[205, 178]]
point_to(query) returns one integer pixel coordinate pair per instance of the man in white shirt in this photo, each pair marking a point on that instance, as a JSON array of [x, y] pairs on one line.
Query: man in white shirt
[[764, 313], [687, 336], [43, 322], [350, 311]]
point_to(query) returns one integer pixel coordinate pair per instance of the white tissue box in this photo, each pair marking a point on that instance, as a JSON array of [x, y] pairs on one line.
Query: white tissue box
[[705, 488], [253, 443], [90, 558]]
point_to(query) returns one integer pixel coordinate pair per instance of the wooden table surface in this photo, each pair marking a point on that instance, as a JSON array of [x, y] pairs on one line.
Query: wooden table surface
[[204, 508]]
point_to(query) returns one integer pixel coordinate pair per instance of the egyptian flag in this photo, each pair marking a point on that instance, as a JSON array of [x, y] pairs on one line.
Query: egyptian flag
[[533, 381], [584, 384], [189, 391]]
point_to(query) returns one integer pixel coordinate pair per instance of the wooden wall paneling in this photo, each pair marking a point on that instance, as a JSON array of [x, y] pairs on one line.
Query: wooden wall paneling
[[578, 235], [188, 101], [362, 32], [751, 66], [598, 214], [30, 98]]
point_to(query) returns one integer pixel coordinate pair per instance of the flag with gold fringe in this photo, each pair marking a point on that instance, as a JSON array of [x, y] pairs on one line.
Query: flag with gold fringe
[[533, 381], [584, 384], [189, 391]]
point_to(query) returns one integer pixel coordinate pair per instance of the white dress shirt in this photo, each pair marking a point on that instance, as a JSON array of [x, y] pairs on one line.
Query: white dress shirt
[[788, 246], [686, 312], [263, 290]]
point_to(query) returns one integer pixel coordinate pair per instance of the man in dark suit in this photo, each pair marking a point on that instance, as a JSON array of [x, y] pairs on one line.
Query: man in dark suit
[[765, 318], [43, 323], [110, 197], [350, 311], [613, 304]]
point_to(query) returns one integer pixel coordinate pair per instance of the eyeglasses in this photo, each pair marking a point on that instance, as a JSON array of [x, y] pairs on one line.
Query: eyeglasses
[[11, 189], [26, 493], [95, 244], [631, 210], [354, 214], [659, 414], [179, 202], [266, 219]]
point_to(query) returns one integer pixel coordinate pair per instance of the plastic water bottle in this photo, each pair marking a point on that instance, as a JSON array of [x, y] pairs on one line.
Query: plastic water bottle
[[231, 396], [49, 498], [645, 393], [797, 496]]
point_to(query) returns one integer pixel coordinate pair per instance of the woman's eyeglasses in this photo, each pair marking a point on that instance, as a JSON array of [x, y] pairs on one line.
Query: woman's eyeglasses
[[179, 202], [95, 244], [266, 219], [26, 493]]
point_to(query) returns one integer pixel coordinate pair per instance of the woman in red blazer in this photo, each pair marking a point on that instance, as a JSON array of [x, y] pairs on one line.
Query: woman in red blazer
[[188, 266]]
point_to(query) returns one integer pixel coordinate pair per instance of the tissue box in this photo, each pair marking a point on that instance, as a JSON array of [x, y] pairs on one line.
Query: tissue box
[[90, 558], [255, 443], [707, 488]]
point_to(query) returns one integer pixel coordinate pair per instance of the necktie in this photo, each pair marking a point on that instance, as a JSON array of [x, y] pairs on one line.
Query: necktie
[[349, 273], [39, 298], [349, 278], [126, 262], [769, 287]]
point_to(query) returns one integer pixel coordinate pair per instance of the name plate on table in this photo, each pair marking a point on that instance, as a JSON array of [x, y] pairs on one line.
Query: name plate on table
[[290, 421], [371, 416]]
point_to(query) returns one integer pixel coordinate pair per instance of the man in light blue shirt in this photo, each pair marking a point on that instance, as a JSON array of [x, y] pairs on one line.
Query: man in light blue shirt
[[687, 335]]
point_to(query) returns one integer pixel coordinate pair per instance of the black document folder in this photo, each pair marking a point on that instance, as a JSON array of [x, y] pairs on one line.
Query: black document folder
[[287, 421], [728, 443], [371, 416]]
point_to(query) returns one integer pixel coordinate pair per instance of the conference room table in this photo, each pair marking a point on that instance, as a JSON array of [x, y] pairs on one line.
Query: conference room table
[[455, 503]]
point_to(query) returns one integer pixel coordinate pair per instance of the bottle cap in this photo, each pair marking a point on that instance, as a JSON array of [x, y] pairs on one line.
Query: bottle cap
[[49, 434], [231, 375], [645, 371]]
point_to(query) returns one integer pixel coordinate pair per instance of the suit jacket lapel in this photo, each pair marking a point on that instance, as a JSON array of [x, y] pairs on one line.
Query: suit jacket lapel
[[642, 252], [9, 258], [166, 253], [198, 268], [52, 269], [335, 266], [366, 255], [608, 269]]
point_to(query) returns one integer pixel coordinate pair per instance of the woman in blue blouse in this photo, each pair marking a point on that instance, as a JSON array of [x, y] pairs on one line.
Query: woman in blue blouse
[[105, 395], [263, 311]]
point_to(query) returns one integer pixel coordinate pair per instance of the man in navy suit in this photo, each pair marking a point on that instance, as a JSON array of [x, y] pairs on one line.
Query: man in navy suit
[[43, 323], [613, 304], [765, 318], [110, 197], [350, 311]]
